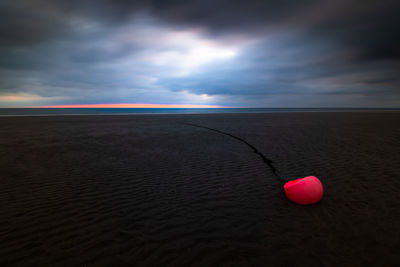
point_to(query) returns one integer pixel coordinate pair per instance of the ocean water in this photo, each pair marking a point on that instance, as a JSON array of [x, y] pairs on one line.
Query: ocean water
[[6, 112]]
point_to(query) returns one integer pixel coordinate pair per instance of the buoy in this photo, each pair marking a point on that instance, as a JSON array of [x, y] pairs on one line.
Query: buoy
[[304, 191]]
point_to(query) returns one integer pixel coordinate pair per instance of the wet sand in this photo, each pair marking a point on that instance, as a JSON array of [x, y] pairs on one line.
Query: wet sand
[[147, 190]]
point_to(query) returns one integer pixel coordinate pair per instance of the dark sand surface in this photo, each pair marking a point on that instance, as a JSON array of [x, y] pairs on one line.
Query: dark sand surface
[[144, 190]]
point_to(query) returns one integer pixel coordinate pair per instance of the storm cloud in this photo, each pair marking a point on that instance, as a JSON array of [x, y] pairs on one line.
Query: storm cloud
[[235, 53]]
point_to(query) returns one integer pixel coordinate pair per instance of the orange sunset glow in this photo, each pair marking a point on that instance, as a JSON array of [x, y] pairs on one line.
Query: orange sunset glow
[[131, 106]]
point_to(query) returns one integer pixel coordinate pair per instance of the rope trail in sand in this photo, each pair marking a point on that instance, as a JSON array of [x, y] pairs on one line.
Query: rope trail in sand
[[266, 160]]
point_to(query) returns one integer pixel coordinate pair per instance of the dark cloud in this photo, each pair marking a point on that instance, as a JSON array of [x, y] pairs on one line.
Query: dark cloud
[[21, 27], [369, 28]]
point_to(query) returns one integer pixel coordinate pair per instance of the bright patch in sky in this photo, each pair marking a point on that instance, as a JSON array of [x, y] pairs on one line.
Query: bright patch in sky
[[188, 51], [185, 62]]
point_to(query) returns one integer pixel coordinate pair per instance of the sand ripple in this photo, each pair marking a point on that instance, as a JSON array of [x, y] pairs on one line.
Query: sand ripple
[[149, 191]]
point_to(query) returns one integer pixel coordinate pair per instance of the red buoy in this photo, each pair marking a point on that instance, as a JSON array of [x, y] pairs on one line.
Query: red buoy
[[304, 191]]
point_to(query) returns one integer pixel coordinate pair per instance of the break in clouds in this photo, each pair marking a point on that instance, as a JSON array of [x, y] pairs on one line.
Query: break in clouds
[[233, 53]]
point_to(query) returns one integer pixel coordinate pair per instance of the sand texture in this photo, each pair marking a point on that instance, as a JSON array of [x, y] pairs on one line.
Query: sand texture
[[147, 190]]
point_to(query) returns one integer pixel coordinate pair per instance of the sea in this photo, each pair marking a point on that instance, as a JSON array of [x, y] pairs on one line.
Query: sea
[[11, 112]]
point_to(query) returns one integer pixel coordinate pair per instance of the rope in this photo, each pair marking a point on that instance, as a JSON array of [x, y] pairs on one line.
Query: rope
[[266, 160]]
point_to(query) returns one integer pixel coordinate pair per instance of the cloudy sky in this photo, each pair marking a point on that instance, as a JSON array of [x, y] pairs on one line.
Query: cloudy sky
[[309, 53]]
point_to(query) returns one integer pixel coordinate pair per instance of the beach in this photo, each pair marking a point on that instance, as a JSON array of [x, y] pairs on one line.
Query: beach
[[151, 190]]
